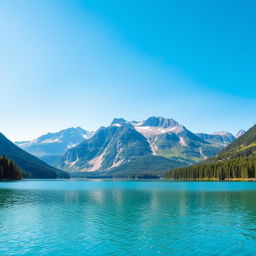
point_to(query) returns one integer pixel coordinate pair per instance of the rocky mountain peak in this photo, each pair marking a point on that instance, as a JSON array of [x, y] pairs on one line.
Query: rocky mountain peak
[[240, 133], [119, 122], [159, 122]]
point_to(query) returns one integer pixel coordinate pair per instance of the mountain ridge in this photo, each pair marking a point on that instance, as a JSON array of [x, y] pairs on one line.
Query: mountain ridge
[[236, 162], [162, 141], [49, 147], [156, 136], [31, 166]]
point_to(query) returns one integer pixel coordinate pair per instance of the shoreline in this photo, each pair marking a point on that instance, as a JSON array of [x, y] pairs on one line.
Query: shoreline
[[132, 179], [217, 180]]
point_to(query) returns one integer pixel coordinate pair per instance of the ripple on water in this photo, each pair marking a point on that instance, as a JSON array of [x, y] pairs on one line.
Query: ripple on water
[[127, 218]]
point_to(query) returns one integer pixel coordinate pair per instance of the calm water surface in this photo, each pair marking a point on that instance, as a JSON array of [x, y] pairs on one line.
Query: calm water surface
[[127, 218]]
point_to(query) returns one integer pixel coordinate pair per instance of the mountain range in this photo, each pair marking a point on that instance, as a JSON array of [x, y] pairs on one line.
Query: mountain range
[[237, 161], [52, 146], [127, 149]]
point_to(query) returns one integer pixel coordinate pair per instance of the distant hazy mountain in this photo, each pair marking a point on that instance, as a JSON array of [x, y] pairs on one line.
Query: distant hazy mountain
[[221, 139], [236, 161], [51, 146], [240, 133], [32, 166], [141, 148]]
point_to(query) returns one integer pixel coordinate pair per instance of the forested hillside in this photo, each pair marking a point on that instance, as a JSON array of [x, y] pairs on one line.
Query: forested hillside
[[237, 161], [9, 170], [31, 166]]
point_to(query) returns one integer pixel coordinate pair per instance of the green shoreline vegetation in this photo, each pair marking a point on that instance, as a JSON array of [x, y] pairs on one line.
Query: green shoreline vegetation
[[9, 170], [233, 169]]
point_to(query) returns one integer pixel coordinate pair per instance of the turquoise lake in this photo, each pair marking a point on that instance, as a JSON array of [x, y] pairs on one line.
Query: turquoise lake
[[98, 217]]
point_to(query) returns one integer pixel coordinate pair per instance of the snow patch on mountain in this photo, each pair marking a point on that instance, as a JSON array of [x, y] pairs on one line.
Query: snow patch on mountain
[[48, 141], [182, 142], [71, 146], [149, 131], [118, 160], [71, 164], [88, 135], [153, 145], [117, 125], [116, 164], [202, 154]]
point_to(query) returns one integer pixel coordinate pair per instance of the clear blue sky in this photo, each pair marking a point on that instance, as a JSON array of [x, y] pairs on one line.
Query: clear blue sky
[[82, 63]]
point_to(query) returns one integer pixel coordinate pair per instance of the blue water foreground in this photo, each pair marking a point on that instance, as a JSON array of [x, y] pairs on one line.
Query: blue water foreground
[[113, 217]]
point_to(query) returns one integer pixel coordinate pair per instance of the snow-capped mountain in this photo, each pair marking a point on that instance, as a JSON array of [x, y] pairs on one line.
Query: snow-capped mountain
[[50, 146], [168, 138], [117, 150], [154, 121], [240, 133], [127, 149], [119, 146], [108, 148]]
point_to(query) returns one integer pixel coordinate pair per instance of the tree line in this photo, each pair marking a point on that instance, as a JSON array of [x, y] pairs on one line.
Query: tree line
[[228, 169], [9, 170]]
